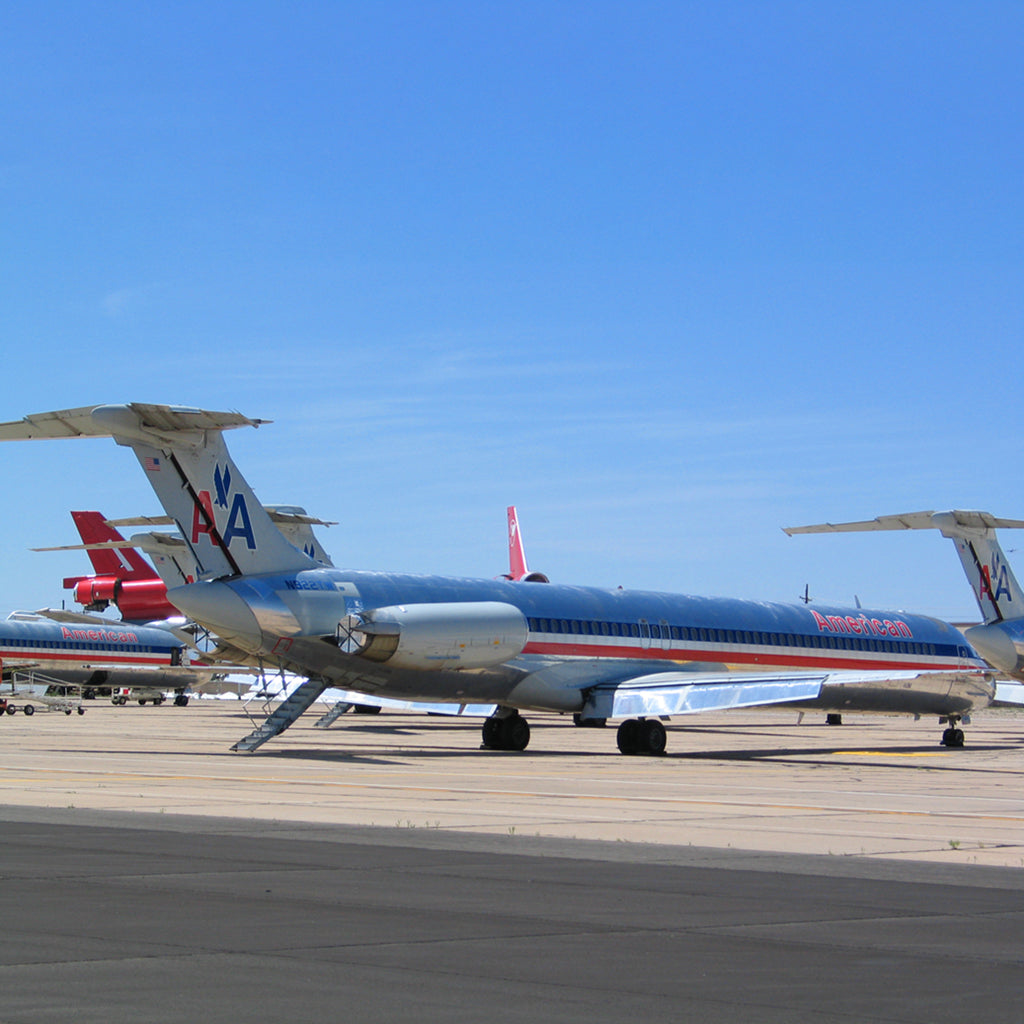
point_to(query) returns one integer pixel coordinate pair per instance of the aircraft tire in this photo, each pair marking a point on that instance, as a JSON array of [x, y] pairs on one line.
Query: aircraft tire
[[653, 738], [490, 733], [509, 733], [81, 711], [67, 711], [953, 737], [515, 733], [628, 736]]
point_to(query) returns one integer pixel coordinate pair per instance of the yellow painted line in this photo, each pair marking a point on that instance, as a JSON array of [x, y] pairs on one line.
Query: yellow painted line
[[890, 753]]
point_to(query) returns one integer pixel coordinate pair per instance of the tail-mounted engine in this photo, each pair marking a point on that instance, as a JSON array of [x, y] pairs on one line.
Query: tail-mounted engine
[[455, 635], [137, 600]]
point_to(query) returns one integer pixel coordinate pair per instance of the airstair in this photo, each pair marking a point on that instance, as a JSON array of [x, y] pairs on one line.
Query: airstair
[[286, 713], [327, 720]]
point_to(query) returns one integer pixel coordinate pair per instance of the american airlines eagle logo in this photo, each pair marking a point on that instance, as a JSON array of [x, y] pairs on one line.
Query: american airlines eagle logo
[[239, 523], [222, 484]]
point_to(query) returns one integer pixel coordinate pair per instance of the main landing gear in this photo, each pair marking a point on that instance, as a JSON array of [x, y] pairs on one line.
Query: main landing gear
[[642, 736], [510, 731], [953, 735], [507, 732]]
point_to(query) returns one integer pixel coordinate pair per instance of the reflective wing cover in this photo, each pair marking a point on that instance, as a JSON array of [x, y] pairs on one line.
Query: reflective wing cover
[[687, 693]]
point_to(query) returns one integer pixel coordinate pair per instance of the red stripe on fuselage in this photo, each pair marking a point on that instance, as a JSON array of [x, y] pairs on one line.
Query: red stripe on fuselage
[[11, 655]]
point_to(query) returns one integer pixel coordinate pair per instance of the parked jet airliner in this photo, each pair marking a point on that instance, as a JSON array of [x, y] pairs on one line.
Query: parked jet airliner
[[94, 656], [519, 644]]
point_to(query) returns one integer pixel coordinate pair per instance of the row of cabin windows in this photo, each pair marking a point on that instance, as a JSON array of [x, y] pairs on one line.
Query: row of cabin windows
[[76, 645], [663, 631]]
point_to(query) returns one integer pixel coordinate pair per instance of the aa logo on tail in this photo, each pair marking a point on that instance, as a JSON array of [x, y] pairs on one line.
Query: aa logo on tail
[[995, 581], [238, 522]]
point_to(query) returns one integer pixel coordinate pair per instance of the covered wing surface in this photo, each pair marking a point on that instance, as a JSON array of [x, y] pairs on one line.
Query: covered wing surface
[[687, 693]]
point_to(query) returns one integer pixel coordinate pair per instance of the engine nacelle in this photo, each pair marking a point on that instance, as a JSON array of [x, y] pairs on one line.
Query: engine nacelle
[[996, 647], [137, 600], [144, 601], [453, 635], [96, 592]]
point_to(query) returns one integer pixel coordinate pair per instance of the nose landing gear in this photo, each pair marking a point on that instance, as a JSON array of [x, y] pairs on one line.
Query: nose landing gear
[[953, 735]]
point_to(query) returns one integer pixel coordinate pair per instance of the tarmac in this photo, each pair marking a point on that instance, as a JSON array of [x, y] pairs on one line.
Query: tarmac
[[767, 868]]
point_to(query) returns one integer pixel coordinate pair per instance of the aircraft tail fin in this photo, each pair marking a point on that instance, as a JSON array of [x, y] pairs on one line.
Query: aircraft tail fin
[[517, 568], [995, 587], [186, 461], [125, 563]]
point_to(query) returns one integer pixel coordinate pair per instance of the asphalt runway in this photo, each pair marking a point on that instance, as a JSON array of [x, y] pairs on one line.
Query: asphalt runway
[[110, 920], [767, 870]]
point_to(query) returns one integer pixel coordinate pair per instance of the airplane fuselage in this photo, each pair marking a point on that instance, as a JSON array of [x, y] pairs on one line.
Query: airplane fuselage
[[429, 637], [41, 642]]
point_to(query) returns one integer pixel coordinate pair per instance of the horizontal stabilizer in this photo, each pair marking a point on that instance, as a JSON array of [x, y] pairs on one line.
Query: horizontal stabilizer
[[155, 421], [957, 522]]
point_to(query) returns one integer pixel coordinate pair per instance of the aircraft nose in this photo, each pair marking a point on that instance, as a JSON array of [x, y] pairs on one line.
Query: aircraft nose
[[221, 610]]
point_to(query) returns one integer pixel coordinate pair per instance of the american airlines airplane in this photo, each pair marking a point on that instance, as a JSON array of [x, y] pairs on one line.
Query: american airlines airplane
[[90, 657], [520, 644]]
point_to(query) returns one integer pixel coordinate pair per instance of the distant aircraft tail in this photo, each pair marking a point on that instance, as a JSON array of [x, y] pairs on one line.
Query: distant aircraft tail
[[123, 562], [186, 461], [517, 569], [995, 587]]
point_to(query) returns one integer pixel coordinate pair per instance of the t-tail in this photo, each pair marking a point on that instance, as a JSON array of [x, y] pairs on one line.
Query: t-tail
[[1000, 640], [186, 461], [107, 551]]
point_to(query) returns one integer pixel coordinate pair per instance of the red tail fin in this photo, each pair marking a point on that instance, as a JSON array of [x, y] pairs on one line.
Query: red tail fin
[[122, 563], [516, 554]]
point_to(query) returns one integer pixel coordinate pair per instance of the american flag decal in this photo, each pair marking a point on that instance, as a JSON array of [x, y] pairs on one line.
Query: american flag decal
[[151, 465]]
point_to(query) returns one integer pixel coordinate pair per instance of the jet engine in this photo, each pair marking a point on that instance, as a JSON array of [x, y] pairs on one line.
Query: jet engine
[[453, 635], [137, 600]]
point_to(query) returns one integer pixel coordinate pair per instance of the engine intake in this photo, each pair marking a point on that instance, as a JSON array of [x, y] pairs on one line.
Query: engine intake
[[453, 635]]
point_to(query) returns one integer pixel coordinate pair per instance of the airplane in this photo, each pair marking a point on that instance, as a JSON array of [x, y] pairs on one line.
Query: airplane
[[87, 657], [1000, 637], [522, 645]]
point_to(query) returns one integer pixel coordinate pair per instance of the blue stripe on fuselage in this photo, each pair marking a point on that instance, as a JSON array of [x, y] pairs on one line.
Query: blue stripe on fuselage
[[588, 621]]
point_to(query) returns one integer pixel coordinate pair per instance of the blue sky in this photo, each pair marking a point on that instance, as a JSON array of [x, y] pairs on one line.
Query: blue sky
[[668, 276]]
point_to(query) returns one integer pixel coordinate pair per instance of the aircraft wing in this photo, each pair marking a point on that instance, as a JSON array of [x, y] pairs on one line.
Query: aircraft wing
[[687, 693]]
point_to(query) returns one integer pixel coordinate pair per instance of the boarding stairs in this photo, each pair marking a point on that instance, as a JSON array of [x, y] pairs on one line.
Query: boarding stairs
[[327, 720], [287, 712]]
